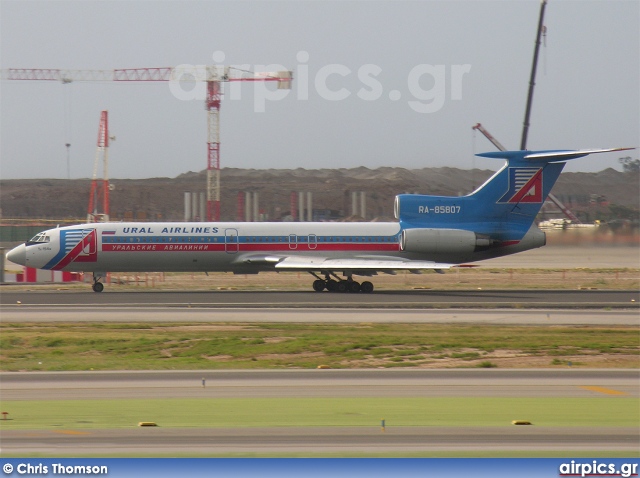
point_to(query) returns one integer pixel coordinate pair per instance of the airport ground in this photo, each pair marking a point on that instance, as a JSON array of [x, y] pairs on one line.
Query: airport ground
[[576, 407], [323, 413]]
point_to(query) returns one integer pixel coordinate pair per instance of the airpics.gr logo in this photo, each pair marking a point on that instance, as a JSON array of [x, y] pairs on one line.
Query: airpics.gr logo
[[525, 186]]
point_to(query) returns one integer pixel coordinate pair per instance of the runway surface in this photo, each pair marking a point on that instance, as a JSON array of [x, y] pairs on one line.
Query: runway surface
[[413, 299], [347, 441], [319, 383], [544, 317], [488, 307]]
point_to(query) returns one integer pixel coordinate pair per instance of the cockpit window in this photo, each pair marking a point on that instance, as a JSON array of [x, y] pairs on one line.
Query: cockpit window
[[39, 238]]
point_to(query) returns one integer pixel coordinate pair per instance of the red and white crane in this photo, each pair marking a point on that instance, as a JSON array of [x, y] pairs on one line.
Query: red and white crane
[[214, 76], [98, 210]]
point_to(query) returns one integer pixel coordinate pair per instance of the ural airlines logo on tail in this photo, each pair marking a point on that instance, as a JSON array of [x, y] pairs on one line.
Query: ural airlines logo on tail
[[525, 186]]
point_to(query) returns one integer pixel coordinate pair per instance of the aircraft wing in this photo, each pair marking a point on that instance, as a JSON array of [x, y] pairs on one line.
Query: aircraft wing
[[295, 262]]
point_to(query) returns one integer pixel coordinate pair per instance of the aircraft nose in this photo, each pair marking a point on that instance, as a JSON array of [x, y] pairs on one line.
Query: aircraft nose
[[18, 255]]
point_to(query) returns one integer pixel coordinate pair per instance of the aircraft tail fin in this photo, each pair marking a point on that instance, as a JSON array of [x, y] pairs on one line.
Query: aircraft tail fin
[[505, 206]]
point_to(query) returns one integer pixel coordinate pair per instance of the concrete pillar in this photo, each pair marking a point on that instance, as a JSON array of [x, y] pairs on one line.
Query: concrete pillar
[[187, 207], [301, 205], [194, 206], [256, 209], [240, 208], [247, 206], [354, 203], [309, 206], [363, 204], [203, 207], [294, 212]]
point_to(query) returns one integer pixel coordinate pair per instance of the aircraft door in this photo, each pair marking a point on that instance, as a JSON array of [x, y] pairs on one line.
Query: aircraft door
[[87, 250], [231, 241], [293, 241], [90, 243], [313, 241]]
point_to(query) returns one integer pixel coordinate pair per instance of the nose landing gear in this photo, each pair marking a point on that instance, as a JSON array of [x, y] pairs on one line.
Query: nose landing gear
[[97, 285]]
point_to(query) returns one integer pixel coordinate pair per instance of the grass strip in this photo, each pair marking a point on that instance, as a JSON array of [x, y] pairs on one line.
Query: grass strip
[[322, 412], [201, 346]]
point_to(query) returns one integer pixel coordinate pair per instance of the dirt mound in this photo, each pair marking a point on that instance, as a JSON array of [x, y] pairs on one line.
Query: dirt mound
[[163, 198]]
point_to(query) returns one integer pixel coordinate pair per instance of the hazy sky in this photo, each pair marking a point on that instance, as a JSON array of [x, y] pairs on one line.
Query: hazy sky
[[377, 83]]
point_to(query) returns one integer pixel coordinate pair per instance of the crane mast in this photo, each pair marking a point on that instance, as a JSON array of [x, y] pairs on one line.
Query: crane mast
[[532, 79], [213, 150], [100, 187]]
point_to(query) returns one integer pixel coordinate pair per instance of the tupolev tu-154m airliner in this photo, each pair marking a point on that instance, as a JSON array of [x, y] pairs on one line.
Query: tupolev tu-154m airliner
[[432, 232]]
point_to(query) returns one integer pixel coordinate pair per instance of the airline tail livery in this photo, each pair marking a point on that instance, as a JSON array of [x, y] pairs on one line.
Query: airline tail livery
[[432, 232]]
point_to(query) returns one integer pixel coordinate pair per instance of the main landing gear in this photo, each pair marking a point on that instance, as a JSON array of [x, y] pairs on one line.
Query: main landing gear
[[340, 285]]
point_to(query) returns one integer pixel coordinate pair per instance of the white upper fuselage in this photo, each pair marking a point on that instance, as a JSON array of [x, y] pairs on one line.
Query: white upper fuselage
[[201, 246], [251, 247]]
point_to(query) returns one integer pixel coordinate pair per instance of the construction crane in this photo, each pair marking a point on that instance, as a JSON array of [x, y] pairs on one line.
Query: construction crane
[[100, 187], [532, 80], [213, 75], [525, 127], [487, 135]]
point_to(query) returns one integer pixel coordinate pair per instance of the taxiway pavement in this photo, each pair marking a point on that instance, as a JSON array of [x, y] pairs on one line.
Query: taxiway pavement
[[318, 383], [544, 317], [407, 299]]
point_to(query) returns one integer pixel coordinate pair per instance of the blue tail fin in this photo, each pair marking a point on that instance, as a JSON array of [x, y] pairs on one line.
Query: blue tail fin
[[504, 207]]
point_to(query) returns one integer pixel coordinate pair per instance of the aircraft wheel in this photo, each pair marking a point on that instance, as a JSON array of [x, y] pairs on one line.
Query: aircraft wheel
[[98, 287], [332, 285], [354, 287], [343, 286], [318, 285], [366, 287]]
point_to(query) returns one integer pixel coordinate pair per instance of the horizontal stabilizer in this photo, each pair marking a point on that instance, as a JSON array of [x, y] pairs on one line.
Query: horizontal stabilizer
[[547, 156], [566, 155]]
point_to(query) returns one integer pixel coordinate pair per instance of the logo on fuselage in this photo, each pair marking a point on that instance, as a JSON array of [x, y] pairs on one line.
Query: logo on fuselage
[[76, 245], [525, 186]]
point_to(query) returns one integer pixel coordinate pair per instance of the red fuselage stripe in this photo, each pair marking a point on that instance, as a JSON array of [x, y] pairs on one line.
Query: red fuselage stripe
[[247, 247]]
